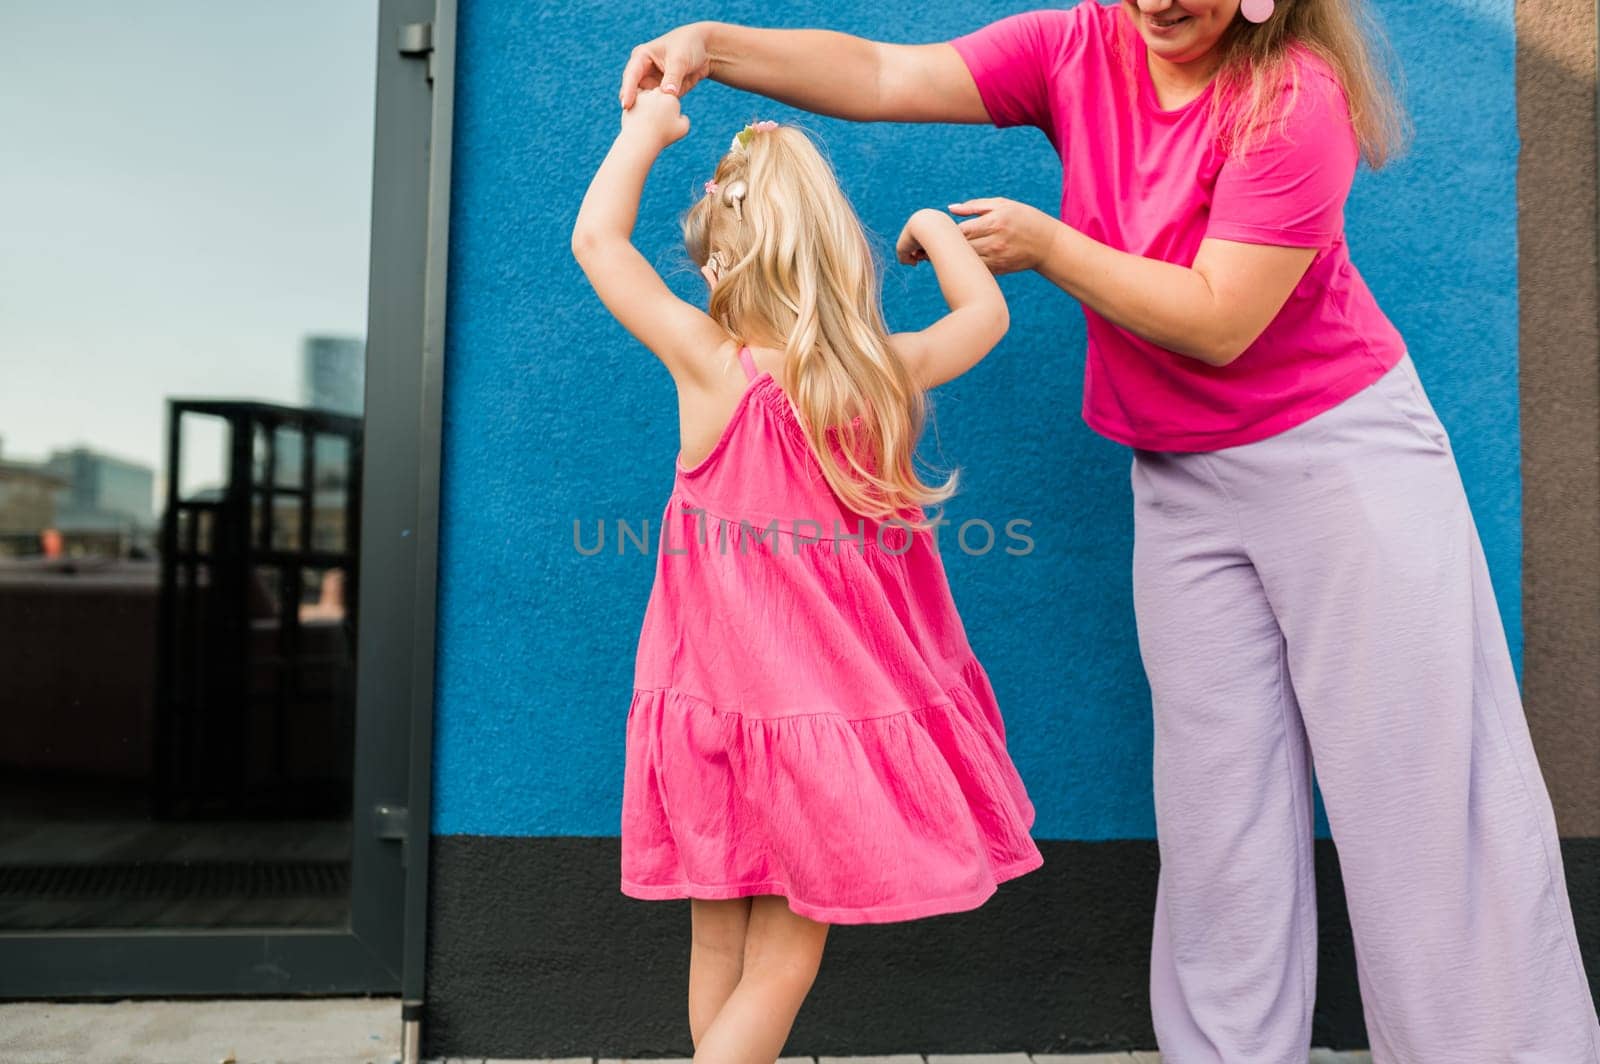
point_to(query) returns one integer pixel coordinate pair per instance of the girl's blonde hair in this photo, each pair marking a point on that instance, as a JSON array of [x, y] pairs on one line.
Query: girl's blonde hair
[[1257, 66], [793, 262]]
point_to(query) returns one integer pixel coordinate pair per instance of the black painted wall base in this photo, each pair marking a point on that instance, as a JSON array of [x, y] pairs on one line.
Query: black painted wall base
[[534, 952]]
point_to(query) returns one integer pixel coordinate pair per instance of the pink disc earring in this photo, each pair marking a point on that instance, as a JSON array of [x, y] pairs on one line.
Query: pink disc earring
[[1256, 10]]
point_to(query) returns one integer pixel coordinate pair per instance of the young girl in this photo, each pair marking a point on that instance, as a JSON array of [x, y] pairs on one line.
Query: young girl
[[811, 740]]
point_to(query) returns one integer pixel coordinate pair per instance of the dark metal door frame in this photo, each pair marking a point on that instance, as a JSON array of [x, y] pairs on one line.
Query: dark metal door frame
[[382, 950]]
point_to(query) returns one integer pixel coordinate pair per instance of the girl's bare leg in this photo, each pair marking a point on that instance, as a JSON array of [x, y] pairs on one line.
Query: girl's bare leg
[[781, 956], [716, 958]]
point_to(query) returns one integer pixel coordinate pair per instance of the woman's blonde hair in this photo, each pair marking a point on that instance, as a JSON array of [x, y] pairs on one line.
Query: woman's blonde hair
[[793, 263], [1257, 66]]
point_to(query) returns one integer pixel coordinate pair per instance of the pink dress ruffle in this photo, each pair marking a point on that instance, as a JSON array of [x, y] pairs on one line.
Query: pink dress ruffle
[[808, 719]]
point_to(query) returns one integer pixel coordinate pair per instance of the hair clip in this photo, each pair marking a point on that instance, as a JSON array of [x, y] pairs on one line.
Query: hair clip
[[734, 197], [742, 138], [712, 188]]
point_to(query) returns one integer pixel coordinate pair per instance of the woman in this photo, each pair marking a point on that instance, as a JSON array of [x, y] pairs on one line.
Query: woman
[[1308, 579]]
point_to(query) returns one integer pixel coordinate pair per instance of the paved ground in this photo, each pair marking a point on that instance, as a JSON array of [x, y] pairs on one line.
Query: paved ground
[[324, 1031], [237, 1031], [1318, 1056]]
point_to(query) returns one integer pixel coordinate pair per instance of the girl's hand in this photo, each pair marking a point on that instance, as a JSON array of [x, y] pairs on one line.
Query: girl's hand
[[673, 62], [656, 117], [908, 247], [1008, 236]]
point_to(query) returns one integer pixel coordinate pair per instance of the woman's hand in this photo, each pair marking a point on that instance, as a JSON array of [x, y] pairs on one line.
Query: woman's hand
[[656, 118], [674, 62], [1008, 236], [908, 247]]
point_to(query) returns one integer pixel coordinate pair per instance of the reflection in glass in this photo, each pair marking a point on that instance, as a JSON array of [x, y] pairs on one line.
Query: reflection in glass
[[287, 451], [180, 462], [285, 521], [205, 456]]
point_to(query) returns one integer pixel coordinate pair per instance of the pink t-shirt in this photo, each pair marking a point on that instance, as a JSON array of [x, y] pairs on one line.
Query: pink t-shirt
[[1155, 183]]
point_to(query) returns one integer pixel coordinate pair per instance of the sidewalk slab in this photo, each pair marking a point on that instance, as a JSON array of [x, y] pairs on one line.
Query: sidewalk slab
[[340, 1030], [1317, 1056], [244, 1030]]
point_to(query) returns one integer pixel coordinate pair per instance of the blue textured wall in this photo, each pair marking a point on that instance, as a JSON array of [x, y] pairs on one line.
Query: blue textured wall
[[553, 414]]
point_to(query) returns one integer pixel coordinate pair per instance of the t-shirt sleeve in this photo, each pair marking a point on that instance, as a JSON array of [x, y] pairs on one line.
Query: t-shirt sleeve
[[1016, 61], [1290, 189]]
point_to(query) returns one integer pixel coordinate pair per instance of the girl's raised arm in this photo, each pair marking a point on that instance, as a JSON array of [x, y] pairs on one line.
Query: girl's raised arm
[[679, 333], [978, 317]]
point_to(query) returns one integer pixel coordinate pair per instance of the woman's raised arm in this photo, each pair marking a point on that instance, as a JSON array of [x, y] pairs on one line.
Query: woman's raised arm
[[820, 71]]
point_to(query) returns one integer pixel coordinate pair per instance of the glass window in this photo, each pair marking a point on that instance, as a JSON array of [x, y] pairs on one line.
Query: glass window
[[185, 202]]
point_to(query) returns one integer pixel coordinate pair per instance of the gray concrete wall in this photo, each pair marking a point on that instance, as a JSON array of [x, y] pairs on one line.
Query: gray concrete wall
[[1560, 384]]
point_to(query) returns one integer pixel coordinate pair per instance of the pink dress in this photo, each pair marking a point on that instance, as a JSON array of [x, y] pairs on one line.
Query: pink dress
[[808, 719]]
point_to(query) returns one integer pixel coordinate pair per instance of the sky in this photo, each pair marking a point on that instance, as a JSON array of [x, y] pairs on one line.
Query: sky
[[185, 194]]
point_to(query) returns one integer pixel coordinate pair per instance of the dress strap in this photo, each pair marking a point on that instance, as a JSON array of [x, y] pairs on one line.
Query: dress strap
[[749, 364]]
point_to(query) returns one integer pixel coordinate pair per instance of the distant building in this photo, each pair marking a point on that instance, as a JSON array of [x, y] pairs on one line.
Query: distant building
[[93, 503], [103, 504], [102, 492], [333, 377], [333, 373], [29, 496]]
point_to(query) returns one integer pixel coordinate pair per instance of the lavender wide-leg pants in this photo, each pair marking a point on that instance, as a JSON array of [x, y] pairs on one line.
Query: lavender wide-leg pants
[[1322, 595]]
